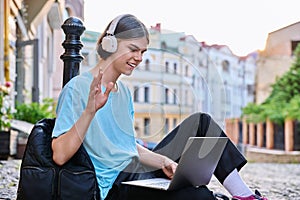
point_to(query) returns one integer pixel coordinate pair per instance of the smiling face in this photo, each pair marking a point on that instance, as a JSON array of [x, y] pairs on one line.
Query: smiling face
[[129, 55]]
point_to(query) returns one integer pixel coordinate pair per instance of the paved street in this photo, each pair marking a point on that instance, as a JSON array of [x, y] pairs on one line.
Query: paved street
[[276, 181]]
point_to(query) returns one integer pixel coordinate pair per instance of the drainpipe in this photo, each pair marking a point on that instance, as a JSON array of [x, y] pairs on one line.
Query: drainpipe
[[6, 40]]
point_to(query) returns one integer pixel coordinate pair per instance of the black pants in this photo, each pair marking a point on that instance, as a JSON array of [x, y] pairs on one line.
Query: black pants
[[199, 125]]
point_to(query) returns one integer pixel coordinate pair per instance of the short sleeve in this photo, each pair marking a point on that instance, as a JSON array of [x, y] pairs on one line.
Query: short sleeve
[[69, 108]]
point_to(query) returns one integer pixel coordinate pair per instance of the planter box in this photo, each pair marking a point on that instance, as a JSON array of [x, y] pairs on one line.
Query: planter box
[[21, 146], [23, 128], [4, 144]]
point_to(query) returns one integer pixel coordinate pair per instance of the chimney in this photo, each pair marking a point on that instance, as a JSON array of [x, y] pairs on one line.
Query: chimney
[[156, 27]]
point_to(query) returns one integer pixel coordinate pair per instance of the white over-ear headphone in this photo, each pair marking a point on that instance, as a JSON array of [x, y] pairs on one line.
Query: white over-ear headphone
[[109, 42]]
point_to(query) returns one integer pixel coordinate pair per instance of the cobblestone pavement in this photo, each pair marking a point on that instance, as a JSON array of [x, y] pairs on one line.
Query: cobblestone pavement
[[275, 181]]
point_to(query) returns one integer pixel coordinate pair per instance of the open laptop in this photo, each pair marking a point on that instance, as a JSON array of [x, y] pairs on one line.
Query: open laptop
[[196, 165]]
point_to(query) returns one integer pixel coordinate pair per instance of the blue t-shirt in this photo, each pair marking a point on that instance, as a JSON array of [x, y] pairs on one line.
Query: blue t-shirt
[[109, 140]]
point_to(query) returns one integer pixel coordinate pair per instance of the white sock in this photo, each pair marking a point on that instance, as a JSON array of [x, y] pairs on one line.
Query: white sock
[[235, 185]]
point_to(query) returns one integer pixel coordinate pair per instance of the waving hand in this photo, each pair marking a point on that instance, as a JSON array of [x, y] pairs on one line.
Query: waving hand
[[98, 98]]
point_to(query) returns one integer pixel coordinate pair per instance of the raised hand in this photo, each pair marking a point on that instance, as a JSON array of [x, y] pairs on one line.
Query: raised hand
[[97, 98]]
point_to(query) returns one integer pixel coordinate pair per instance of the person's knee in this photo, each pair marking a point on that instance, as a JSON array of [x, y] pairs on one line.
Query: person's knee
[[204, 121], [201, 116]]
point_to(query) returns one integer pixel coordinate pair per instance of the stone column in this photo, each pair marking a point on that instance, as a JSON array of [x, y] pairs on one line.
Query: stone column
[[245, 132], [236, 130], [260, 134], [232, 130], [251, 133], [289, 134]]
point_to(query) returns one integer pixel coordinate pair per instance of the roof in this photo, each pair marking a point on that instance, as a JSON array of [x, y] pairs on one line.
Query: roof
[[286, 27]]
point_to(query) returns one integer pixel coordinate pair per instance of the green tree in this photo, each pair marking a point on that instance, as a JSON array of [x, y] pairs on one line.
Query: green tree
[[284, 100]]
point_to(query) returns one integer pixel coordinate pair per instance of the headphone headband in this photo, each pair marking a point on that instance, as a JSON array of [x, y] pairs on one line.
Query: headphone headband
[[113, 25]]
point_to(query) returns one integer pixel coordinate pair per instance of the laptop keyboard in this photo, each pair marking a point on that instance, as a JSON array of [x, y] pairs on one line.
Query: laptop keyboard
[[163, 184]]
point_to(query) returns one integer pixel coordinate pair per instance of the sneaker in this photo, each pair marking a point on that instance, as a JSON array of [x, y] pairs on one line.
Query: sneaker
[[219, 196], [257, 196]]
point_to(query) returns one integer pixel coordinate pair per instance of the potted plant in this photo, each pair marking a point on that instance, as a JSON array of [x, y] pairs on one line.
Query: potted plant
[[33, 112], [6, 116]]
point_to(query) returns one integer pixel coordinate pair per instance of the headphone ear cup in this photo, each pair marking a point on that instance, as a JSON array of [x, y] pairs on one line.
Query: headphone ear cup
[[109, 43]]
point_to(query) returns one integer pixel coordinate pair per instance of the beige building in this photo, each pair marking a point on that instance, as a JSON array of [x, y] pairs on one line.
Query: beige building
[[276, 58], [180, 76], [162, 93]]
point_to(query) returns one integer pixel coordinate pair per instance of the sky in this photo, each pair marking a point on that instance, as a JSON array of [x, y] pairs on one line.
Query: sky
[[242, 25]]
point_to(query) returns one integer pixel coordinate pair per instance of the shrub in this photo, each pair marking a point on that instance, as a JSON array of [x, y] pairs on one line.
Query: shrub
[[33, 112]]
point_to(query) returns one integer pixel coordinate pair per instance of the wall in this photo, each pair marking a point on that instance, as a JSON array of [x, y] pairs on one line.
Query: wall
[[275, 59]]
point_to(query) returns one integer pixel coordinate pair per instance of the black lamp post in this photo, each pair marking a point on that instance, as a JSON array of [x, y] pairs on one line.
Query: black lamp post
[[73, 29]]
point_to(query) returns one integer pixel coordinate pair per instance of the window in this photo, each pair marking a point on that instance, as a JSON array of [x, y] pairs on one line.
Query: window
[[147, 63], [294, 46], [136, 94], [225, 65], [166, 95], [174, 122], [250, 89], [193, 80], [167, 66], [175, 96], [175, 68], [146, 126], [163, 45], [146, 95], [166, 125]]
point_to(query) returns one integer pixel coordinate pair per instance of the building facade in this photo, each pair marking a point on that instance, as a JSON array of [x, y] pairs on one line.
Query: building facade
[[231, 81], [275, 59], [179, 76]]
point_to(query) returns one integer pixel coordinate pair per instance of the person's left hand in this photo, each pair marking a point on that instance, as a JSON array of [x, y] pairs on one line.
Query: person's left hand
[[169, 167]]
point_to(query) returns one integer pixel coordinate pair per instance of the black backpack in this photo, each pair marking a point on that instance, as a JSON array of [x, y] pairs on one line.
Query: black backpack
[[41, 178]]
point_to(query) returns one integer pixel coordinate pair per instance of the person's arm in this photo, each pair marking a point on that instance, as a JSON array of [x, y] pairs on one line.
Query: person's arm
[[67, 144], [156, 160]]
